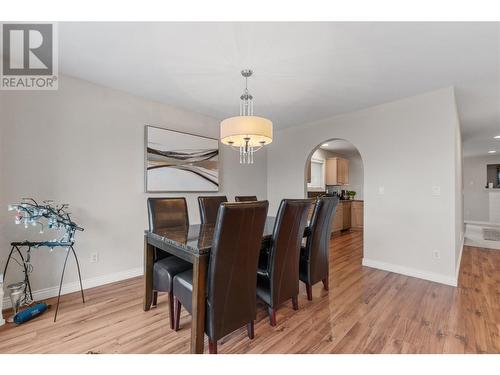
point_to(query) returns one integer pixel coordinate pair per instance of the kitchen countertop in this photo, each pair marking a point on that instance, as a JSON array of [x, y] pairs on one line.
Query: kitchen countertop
[[314, 194]]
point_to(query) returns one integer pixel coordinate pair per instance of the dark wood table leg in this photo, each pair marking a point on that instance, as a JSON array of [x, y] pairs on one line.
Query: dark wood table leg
[[148, 274], [199, 291]]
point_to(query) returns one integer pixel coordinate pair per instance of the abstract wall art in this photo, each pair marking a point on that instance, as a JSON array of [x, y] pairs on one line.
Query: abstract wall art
[[180, 162]]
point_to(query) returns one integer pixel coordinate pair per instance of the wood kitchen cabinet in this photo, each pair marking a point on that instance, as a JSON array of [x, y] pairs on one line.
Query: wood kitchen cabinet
[[342, 218], [346, 215], [337, 171], [349, 215], [338, 219], [357, 215]]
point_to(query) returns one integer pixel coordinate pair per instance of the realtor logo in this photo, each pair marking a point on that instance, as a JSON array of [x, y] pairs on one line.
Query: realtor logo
[[29, 59]]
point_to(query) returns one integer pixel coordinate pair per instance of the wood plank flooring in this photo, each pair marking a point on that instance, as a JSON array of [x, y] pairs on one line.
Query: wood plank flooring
[[365, 311]]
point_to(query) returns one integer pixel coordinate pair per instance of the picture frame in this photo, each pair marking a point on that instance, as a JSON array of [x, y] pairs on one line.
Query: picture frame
[[177, 161]]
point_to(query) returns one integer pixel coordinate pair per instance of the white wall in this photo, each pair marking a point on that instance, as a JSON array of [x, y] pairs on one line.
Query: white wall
[[84, 145], [408, 147], [476, 199]]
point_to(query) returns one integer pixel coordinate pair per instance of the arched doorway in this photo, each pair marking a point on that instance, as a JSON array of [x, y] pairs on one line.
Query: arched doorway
[[335, 168]]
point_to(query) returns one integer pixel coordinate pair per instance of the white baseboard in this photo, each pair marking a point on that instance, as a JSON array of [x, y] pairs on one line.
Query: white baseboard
[[491, 245], [41, 294], [438, 278], [474, 235], [487, 224]]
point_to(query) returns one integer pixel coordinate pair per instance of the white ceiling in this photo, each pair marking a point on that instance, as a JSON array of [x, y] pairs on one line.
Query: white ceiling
[[341, 147], [303, 71]]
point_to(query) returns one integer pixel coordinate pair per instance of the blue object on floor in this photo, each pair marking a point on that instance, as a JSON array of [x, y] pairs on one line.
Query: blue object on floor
[[30, 313]]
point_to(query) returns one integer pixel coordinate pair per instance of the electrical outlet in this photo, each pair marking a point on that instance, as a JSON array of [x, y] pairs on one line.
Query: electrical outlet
[[436, 254], [94, 257]]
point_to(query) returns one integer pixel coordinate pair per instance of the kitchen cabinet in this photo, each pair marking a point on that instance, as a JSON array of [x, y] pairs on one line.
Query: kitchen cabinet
[[338, 219], [337, 171], [349, 215], [357, 215], [343, 168], [346, 215]]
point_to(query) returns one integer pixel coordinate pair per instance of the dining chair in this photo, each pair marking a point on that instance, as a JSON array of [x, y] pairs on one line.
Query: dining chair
[[314, 265], [167, 213], [232, 272], [278, 271], [209, 206], [164, 213], [245, 198]]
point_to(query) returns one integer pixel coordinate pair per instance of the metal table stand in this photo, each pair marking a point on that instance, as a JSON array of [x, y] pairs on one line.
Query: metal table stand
[[17, 246]]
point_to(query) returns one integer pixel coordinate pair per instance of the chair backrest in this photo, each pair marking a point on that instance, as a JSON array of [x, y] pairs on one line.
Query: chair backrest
[[318, 241], [285, 249], [232, 271], [209, 206], [245, 198], [167, 213]]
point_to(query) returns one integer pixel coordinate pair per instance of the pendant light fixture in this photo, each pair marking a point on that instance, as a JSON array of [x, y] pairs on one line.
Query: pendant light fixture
[[246, 133]]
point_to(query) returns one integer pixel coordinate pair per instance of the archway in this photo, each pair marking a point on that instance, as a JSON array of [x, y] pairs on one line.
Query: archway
[[335, 168]]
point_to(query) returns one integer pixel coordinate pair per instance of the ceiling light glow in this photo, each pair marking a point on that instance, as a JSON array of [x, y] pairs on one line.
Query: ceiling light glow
[[492, 152]]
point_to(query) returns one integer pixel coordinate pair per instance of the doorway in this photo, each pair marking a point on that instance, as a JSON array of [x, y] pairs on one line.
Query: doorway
[[335, 168]]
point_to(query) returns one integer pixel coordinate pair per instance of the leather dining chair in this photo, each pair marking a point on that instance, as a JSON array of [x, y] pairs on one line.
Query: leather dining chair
[[245, 198], [313, 266], [209, 206], [278, 273], [232, 272], [166, 213]]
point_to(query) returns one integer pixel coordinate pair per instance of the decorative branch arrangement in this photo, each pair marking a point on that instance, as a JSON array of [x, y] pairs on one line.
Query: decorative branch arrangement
[[55, 217], [29, 212]]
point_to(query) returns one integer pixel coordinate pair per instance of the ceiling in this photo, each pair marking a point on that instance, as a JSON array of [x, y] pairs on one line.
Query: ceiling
[[303, 71], [341, 147]]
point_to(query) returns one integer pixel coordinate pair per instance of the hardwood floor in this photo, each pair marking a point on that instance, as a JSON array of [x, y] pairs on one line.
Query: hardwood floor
[[365, 311]]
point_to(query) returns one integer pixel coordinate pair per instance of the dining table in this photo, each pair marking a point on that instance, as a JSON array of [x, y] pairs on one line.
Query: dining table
[[193, 244]]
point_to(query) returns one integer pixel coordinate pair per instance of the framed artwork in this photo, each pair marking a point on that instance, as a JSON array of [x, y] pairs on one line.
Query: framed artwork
[[180, 162]]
